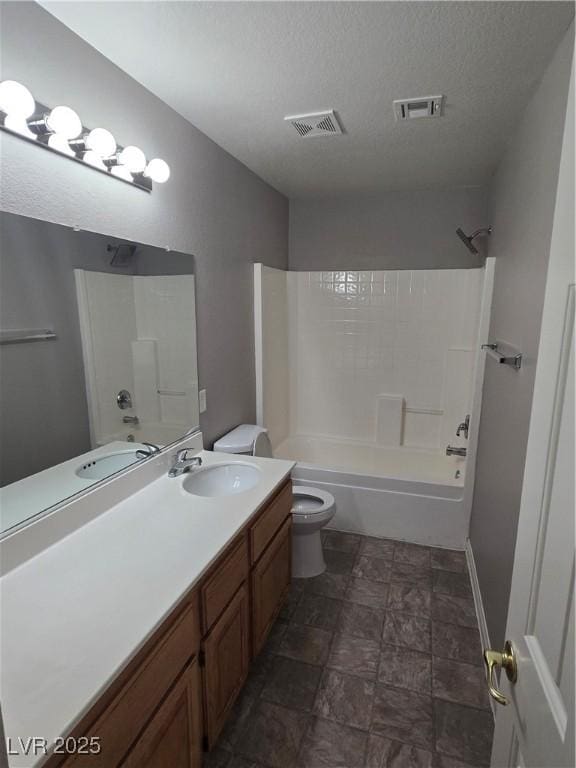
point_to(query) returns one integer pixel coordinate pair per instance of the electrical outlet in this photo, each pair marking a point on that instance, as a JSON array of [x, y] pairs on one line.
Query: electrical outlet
[[202, 400]]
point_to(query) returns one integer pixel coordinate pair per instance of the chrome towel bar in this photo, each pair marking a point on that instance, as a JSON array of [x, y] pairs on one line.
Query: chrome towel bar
[[19, 337], [514, 360]]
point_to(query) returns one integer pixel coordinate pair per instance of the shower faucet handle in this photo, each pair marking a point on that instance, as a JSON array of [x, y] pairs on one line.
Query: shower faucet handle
[[464, 427]]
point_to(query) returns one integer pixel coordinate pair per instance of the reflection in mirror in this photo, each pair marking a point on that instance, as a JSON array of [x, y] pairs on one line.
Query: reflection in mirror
[[97, 356]]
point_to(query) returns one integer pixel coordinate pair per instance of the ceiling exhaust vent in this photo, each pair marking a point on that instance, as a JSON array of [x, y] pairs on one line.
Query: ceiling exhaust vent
[[315, 124], [414, 109]]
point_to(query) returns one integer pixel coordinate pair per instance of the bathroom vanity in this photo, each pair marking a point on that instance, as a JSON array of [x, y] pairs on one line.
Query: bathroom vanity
[[164, 600]]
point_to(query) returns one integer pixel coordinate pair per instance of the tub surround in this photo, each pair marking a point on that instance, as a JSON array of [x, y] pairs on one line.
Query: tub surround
[[383, 366], [125, 569], [381, 356]]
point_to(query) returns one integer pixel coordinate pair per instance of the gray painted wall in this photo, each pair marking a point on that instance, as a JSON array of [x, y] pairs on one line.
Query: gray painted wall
[[213, 207], [396, 230], [522, 205], [43, 408]]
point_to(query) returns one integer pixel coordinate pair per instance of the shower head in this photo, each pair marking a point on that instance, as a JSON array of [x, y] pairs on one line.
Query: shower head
[[123, 254], [467, 240]]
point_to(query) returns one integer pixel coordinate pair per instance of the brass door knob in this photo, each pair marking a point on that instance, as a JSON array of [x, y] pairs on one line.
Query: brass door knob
[[506, 660]]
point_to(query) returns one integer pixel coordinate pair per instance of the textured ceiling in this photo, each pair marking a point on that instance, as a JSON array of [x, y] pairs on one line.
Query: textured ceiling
[[235, 69]]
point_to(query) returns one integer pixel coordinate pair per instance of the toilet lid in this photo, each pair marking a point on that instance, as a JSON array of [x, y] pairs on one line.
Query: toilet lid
[[310, 501]]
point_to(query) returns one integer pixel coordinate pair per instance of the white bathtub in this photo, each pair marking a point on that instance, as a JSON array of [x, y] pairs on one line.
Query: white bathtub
[[401, 493]]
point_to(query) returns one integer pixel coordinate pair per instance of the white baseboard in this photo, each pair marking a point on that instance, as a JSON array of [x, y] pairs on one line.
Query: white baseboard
[[478, 604]]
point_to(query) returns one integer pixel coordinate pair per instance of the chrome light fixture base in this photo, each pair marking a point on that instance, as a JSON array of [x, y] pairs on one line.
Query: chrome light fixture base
[[41, 138], [61, 131]]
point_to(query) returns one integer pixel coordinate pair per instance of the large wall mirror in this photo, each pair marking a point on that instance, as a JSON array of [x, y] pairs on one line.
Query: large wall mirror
[[98, 360]]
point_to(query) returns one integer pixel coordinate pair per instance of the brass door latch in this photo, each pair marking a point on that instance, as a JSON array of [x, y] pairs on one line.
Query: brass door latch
[[506, 660]]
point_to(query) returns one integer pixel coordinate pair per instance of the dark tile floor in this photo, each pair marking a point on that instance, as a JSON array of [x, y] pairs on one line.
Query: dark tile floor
[[374, 664]]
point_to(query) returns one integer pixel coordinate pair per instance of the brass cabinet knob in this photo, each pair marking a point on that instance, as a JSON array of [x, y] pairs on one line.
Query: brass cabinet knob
[[506, 660]]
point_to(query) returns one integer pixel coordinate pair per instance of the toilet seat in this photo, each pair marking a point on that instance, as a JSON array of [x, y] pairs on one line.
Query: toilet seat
[[311, 504]]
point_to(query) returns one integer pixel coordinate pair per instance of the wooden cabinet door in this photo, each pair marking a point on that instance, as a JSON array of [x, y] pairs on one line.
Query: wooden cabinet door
[[226, 660], [173, 737], [270, 582], [129, 705]]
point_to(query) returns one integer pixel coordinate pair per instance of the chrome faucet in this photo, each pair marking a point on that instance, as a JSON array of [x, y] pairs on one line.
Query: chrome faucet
[[452, 450], [183, 464], [464, 427], [142, 453], [130, 420]]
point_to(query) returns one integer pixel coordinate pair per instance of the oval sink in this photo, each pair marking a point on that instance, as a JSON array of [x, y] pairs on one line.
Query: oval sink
[[100, 468], [222, 479]]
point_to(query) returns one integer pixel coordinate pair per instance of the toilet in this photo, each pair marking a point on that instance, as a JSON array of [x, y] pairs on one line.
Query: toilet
[[312, 508]]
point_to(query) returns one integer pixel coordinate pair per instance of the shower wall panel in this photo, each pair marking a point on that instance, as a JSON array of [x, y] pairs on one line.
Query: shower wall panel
[[356, 336]]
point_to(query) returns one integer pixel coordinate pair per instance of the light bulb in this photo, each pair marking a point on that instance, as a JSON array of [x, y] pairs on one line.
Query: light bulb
[[101, 142], [133, 158], [94, 159], [122, 172], [65, 122], [18, 125], [16, 100], [158, 170], [60, 144]]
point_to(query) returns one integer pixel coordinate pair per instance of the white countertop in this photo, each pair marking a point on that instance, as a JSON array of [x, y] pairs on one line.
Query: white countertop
[[75, 614]]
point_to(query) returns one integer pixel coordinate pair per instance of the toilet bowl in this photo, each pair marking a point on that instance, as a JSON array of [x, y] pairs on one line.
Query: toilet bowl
[[312, 508]]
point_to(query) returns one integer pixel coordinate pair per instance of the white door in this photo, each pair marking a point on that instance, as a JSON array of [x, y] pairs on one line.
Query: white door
[[536, 728]]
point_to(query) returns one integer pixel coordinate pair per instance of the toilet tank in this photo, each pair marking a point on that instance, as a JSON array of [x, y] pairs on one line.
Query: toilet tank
[[247, 439]]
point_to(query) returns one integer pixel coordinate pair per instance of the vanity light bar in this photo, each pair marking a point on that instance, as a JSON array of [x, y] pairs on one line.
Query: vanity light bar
[[60, 129]]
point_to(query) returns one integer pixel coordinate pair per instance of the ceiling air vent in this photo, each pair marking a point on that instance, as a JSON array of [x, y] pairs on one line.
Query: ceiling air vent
[[414, 109], [315, 124]]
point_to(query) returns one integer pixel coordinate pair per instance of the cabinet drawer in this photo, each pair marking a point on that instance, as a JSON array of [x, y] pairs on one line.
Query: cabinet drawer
[[270, 583], [129, 711], [263, 530], [228, 573]]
